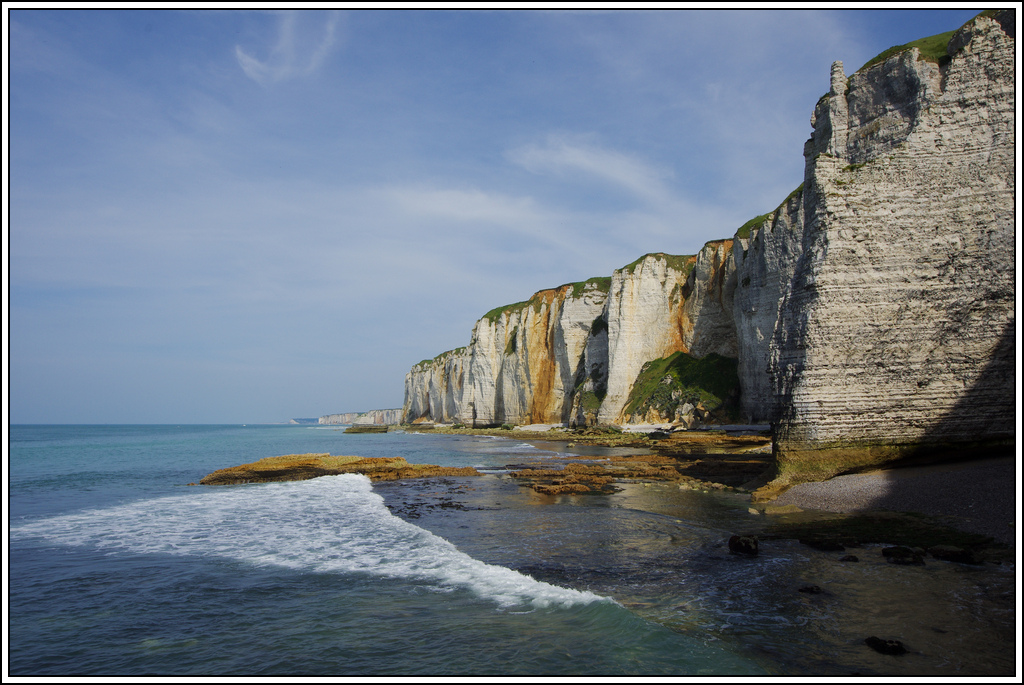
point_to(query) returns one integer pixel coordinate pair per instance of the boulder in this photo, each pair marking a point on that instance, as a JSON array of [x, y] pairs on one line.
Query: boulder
[[891, 647], [743, 544]]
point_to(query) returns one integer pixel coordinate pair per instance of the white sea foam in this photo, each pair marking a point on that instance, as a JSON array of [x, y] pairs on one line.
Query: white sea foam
[[329, 524]]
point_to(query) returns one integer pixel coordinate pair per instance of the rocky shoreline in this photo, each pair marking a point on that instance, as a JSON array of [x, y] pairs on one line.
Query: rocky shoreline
[[968, 506], [305, 466]]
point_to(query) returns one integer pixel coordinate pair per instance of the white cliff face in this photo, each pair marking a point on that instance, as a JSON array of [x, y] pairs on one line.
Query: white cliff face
[[765, 264], [434, 388], [645, 316], [374, 416], [872, 313], [896, 332], [708, 325], [521, 365], [664, 304], [571, 354]]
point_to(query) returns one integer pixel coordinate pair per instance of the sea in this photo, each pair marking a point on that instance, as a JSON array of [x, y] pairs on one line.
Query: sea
[[118, 566]]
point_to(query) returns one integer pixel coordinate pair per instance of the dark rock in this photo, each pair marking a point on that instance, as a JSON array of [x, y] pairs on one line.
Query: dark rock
[[951, 553], [903, 555], [824, 544], [849, 557], [811, 589], [743, 544], [893, 647]]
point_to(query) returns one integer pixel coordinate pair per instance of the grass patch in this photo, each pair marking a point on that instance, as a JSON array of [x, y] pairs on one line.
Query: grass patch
[[672, 381], [497, 312], [590, 401], [600, 283], [684, 263], [427, 362], [932, 49], [510, 347], [744, 230]]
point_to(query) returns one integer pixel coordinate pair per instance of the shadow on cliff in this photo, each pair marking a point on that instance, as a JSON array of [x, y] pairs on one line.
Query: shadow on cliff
[[982, 423], [975, 444]]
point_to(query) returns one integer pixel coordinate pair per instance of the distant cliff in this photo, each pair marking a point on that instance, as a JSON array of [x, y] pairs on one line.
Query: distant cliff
[[387, 417], [870, 317], [571, 354]]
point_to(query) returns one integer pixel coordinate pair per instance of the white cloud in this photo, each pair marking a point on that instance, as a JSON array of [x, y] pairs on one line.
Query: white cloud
[[300, 49], [559, 156]]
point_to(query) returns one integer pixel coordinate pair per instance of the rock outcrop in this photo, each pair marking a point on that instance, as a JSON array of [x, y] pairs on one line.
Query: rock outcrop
[[307, 466]]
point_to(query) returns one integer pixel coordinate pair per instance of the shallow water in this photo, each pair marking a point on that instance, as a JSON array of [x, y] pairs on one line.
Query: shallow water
[[117, 568]]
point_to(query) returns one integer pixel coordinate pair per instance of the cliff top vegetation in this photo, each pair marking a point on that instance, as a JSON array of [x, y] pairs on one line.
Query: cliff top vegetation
[[682, 263], [744, 230], [427, 362], [931, 49], [600, 283]]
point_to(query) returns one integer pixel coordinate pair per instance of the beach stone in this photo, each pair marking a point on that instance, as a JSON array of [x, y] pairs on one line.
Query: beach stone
[[903, 555], [957, 554], [891, 647], [743, 544], [849, 557], [811, 589]]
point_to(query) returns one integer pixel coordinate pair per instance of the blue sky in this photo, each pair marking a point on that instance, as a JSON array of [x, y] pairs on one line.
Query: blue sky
[[244, 216]]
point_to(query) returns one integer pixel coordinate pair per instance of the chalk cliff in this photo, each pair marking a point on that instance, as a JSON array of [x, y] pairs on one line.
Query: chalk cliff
[[387, 417], [870, 316], [571, 354], [896, 331]]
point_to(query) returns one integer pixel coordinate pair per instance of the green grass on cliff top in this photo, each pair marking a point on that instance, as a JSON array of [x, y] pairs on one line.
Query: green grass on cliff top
[[427, 362], [682, 262], [744, 230], [600, 283], [932, 49]]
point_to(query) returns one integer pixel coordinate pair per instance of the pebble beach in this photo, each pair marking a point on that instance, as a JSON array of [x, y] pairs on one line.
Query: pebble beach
[[976, 496]]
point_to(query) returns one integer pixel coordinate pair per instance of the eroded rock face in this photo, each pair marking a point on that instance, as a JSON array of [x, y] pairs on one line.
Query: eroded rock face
[[645, 321], [664, 304], [765, 265], [433, 388], [872, 313], [521, 365], [896, 330], [571, 354]]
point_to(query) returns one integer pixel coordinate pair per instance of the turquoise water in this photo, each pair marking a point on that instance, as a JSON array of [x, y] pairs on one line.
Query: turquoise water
[[117, 567]]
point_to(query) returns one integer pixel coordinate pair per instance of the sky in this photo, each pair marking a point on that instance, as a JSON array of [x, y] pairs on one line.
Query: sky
[[251, 216]]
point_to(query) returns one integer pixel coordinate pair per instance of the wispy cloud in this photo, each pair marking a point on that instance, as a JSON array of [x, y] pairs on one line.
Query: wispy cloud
[[560, 155], [300, 49]]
